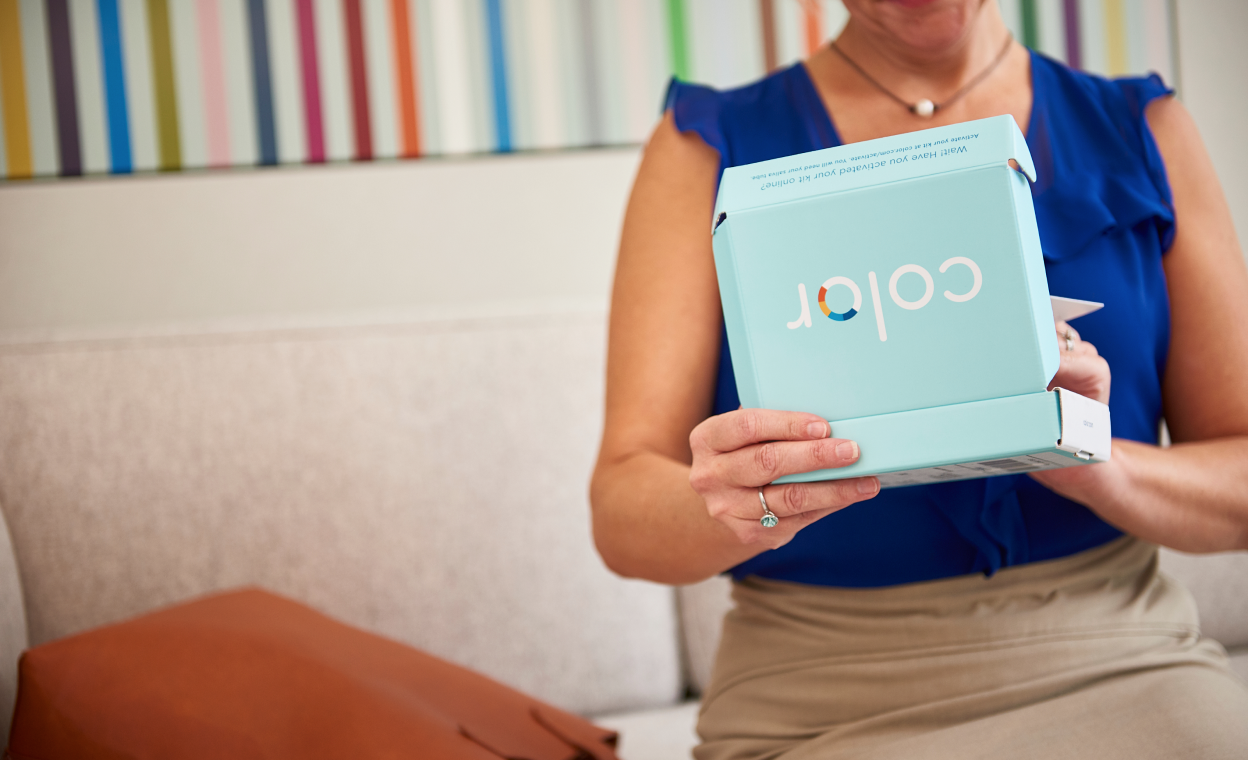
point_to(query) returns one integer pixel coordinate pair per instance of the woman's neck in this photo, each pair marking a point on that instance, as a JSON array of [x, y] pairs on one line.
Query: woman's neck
[[921, 61], [919, 64]]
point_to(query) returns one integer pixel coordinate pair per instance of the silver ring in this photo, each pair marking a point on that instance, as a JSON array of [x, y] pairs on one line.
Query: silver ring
[[1070, 340], [769, 519]]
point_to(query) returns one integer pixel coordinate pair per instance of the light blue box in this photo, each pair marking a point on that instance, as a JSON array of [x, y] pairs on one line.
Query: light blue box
[[899, 276]]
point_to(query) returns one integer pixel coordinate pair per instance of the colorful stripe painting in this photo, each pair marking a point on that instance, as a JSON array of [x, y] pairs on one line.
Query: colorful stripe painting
[[125, 86]]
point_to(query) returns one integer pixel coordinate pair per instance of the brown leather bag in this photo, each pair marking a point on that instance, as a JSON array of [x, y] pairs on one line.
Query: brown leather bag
[[247, 674]]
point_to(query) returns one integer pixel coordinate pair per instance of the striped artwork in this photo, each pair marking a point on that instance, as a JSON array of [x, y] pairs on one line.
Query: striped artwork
[[124, 86]]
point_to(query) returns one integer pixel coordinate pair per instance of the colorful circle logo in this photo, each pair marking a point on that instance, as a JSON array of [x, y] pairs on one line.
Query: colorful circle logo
[[823, 299]]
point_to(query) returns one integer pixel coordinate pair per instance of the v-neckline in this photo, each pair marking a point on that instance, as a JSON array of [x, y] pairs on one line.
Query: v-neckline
[[818, 109]]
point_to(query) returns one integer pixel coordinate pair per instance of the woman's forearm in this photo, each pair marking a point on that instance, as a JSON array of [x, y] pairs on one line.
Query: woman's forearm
[[649, 523], [1195, 495], [1192, 497]]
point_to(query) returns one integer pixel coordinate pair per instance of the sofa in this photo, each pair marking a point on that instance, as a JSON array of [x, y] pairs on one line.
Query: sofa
[[423, 476]]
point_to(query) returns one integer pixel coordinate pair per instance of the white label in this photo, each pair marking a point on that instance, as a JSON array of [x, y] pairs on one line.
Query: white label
[[1085, 426]]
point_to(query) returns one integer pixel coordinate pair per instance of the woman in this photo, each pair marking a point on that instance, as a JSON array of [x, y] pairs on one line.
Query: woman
[[1006, 617]]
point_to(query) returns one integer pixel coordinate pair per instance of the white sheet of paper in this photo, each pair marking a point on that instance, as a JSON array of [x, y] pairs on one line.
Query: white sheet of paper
[[1067, 309]]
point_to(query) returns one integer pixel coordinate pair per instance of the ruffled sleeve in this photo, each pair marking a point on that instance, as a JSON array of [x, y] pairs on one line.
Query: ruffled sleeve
[[698, 109], [1099, 168], [779, 115], [1138, 93]]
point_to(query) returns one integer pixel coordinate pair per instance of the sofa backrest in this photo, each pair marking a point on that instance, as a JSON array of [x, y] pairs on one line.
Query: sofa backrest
[[426, 481]]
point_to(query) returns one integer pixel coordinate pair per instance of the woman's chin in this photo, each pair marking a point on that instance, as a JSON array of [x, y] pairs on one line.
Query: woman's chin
[[927, 27]]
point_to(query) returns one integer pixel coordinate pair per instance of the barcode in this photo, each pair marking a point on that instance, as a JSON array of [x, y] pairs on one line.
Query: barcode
[[1012, 465]]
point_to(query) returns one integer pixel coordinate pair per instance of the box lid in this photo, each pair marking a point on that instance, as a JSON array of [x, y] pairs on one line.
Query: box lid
[[969, 144]]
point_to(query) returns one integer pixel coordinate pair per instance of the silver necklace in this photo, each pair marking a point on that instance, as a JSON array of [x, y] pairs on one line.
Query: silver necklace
[[924, 107]]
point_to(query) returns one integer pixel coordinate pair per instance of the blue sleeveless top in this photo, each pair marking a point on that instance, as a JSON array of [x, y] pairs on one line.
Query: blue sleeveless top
[[1106, 219]]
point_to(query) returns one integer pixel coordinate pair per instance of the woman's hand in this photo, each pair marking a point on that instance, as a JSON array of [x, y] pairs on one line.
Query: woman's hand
[[736, 454], [1082, 370]]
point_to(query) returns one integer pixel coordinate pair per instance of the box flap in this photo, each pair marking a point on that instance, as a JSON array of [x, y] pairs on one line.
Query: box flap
[[1067, 309], [967, 145], [1002, 436]]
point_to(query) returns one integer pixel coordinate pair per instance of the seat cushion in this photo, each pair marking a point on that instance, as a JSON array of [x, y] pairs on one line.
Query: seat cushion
[[663, 734], [248, 674]]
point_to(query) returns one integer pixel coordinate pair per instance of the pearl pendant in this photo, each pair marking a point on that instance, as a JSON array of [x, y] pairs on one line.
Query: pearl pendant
[[924, 108]]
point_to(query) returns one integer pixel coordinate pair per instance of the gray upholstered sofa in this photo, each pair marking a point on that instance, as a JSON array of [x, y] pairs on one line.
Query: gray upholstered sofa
[[422, 476]]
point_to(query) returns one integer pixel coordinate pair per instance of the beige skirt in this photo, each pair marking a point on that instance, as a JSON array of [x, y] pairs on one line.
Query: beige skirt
[[1095, 656]]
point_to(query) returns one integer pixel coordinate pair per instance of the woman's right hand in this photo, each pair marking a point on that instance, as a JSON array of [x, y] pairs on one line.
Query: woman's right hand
[[737, 453]]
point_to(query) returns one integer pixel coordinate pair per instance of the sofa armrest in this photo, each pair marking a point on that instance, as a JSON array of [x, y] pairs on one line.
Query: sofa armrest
[[12, 628]]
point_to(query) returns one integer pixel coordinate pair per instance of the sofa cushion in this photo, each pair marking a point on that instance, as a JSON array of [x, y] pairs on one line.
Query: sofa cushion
[[702, 609], [251, 675], [425, 481], [665, 734], [1219, 583], [1239, 663]]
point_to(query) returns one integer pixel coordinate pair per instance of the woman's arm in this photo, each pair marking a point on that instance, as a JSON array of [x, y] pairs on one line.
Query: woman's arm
[[1192, 496], [667, 505]]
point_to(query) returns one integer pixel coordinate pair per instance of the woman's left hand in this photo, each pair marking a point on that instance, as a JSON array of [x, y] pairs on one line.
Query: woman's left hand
[[1082, 370]]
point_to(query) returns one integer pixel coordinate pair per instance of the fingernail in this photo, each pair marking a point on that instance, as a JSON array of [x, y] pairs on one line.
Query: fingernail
[[868, 486], [847, 450], [818, 429]]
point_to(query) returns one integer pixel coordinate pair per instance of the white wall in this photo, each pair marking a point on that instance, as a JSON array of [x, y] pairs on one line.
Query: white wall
[[363, 242], [1214, 70]]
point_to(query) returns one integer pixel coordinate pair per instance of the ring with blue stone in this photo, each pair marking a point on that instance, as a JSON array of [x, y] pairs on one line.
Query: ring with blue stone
[[769, 519]]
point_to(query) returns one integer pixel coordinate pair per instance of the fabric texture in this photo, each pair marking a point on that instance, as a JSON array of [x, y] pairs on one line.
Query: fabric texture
[[1104, 210], [664, 734], [1239, 664], [12, 628], [702, 609], [425, 481], [1217, 582], [1096, 655], [248, 674]]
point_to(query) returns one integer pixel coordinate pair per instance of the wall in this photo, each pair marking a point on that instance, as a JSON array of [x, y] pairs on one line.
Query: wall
[[228, 82], [1214, 71], [364, 242]]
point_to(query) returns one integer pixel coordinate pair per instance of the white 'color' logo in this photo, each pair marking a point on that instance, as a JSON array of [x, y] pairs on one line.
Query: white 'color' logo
[[929, 289]]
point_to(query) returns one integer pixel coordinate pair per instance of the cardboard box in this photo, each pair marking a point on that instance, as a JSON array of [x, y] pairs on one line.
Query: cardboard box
[[896, 288]]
